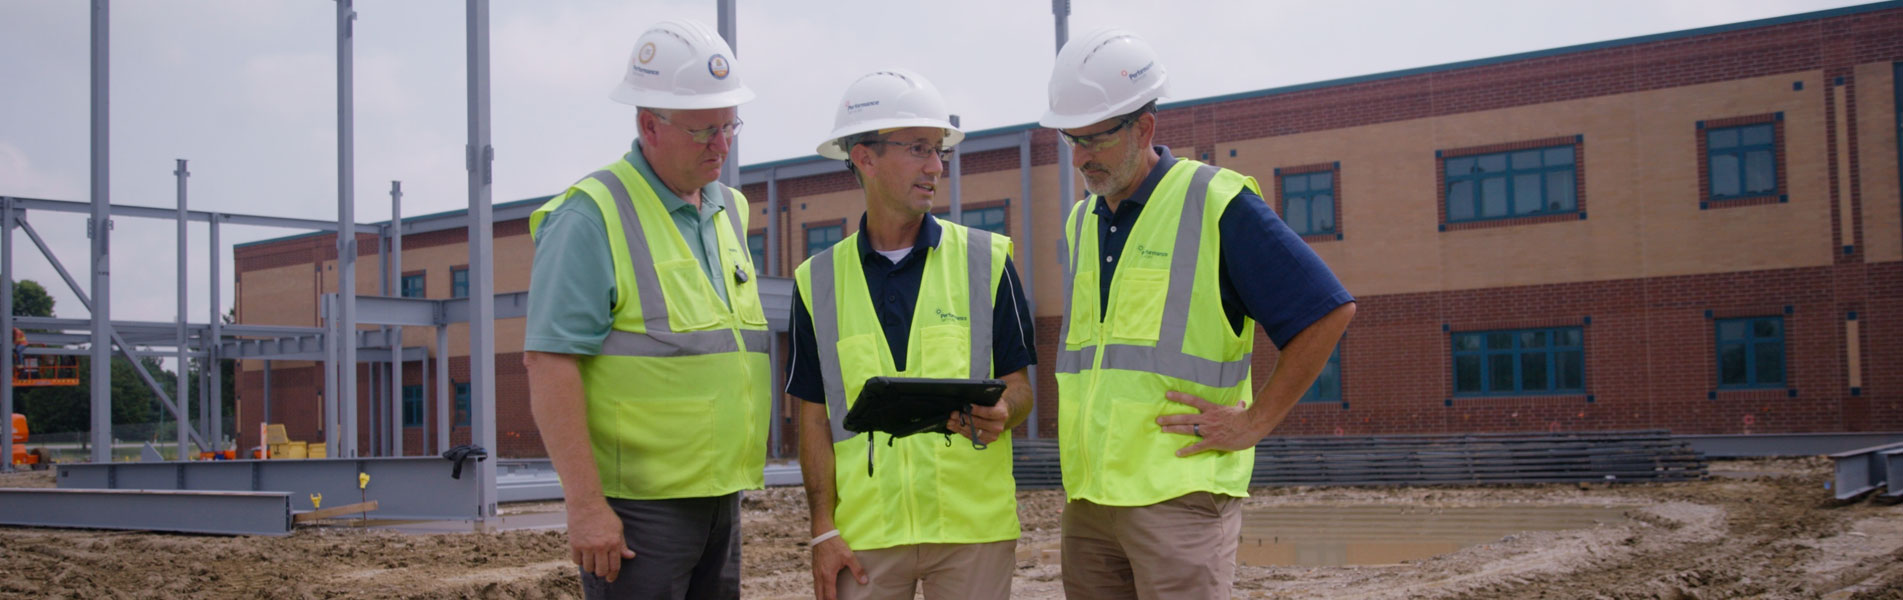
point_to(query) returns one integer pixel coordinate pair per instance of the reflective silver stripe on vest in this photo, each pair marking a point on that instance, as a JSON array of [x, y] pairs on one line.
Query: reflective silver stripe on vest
[[1073, 361], [978, 254], [660, 340], [1167, 357], [826, 322], [825, 315]]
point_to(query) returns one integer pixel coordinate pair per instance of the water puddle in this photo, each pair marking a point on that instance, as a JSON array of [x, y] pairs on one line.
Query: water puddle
[[1325, 535]]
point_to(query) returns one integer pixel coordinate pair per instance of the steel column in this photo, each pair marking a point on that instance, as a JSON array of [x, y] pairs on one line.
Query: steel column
[[957, 172], [1028, 268], [482, 323], [393, 440], [6, 326], [442, 389], [1065, 177], [345, 445], [215, 419], [725, 22], [99, 228], [183, 424]]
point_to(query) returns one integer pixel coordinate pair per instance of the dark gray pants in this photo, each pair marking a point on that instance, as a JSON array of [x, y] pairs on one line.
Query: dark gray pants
[[684, 549]]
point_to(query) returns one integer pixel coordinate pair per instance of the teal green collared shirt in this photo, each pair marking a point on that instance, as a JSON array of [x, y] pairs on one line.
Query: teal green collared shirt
[[572, 280]]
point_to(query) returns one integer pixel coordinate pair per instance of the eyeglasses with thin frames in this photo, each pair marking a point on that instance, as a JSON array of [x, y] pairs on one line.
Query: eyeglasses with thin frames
[[1102, 140], [706, 134], [919, 149]]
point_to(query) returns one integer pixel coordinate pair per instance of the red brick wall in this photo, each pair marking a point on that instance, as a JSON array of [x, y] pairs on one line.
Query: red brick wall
[[297, 402], [1650, 357]]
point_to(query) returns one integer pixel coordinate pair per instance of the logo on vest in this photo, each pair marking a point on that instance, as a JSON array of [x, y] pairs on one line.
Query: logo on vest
[[1146, 253], [945, 317]]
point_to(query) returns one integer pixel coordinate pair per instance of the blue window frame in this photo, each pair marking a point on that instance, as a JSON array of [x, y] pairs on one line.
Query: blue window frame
[[1327, 386], [818, 239], [459, 282], [462, 404], [1506, 185], [1308, 202], [1742, 161], [412, 406], [413, 286], [1751, 352], [756, 246], [1519, 362]]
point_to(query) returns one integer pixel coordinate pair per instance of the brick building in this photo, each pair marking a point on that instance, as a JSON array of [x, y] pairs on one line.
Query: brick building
[[1698, 231]]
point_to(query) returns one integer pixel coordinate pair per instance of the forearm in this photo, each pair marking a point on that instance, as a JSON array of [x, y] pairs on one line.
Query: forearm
[[816, 465], [1017, 397], [561, 415], [1300, 362]]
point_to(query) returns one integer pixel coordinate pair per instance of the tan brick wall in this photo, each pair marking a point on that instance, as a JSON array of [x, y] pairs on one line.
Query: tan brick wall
[[1640, 162], [279, 296], [1876, 154]]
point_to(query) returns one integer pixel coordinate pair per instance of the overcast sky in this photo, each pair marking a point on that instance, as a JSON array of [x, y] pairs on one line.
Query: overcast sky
[[246, 90]]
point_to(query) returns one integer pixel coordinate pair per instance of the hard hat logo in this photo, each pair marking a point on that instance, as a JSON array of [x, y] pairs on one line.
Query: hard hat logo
[[1140, 72], [717, 66], [647, 52]]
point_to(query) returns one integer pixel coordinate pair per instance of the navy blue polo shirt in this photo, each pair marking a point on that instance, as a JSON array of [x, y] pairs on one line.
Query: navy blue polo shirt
[[1267, 272], [894, 290]]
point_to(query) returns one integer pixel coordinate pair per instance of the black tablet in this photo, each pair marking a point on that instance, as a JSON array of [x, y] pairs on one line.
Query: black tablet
[[902, 406]]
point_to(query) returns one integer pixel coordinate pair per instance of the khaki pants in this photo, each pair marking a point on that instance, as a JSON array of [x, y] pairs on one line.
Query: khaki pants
[[1184, 547], [948, 572]]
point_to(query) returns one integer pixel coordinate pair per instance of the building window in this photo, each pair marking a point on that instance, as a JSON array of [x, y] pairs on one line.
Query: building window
[[1519, 362], [1742, 160], [818, 239], [1518, 183], [1751, 352], [756, 246], [1308, 203], [989, 218], [1327, 386], [462, 404], [413, 286], [412, 406], [459, 282]]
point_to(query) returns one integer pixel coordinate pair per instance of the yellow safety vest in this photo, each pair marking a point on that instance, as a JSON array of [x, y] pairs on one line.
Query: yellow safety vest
[[1164, 330], [679, 395], [924, 490]]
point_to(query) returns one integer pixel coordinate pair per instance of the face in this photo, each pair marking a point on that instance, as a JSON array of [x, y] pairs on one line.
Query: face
[[674, 154], [1110, 159], [896, 178]]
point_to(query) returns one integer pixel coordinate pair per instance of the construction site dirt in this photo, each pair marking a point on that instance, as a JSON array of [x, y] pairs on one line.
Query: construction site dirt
[[1754, 529]]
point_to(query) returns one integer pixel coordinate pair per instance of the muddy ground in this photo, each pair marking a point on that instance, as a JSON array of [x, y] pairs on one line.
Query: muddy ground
[[1758, 529]]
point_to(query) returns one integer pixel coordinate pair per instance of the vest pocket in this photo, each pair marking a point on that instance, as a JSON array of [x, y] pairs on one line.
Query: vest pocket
[[1136, 306], [946, 353], [693, 310], [664, 445], [1084, 305]]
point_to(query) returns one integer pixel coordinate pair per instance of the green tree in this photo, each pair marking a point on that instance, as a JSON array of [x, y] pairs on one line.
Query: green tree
[[31, 300]]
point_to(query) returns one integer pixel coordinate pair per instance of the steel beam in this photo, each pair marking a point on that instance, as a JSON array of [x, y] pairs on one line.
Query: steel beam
[[148, 212], [416, 487], [1862, 470], [215, 512]]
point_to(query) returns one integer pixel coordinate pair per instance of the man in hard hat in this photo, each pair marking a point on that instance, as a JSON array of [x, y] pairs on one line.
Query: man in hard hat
[[1172, 263], [645, 341], [907, 295]]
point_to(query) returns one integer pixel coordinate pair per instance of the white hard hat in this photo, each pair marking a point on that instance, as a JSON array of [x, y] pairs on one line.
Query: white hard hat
[[1105, 73], [681, 65], [887, 99]]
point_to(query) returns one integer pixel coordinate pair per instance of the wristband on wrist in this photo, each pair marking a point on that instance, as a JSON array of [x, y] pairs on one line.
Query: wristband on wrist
[[823, 537]]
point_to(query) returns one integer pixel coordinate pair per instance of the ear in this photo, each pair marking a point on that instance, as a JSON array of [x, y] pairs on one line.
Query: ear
[[861, 156], [1146, 128], [646, 125]]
